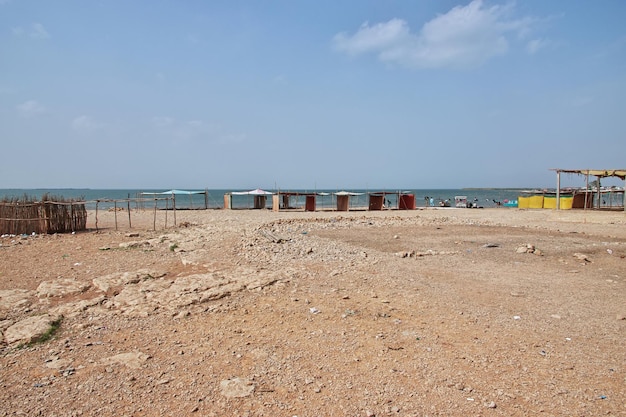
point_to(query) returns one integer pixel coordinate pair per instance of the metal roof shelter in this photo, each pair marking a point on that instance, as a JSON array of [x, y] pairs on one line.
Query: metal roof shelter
[[598, 173]]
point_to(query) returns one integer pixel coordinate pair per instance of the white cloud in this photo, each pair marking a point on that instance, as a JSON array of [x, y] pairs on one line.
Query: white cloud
[[39, 32], [535, 45], [465, 37], [30, 108], [382, 36], [35, 31], [86, 124]]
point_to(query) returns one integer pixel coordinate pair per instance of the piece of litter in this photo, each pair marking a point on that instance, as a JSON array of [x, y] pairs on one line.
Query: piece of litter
[[314, 310], [516, 317]]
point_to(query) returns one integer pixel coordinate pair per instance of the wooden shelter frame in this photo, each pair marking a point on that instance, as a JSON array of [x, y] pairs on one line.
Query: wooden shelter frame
[[598, 173]]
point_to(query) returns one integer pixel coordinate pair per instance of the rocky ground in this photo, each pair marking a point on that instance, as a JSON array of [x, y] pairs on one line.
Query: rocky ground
[[438, 312]]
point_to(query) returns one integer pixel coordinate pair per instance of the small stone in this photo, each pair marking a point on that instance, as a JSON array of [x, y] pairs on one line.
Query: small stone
[[182, 314], [236, 388], [581, 257], [491, 405]]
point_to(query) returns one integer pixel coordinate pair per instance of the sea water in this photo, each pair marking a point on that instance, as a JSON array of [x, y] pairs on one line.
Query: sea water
[[214, 199]]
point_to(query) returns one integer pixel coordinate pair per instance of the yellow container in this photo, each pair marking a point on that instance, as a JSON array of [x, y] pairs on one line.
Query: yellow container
[[523, 202], [549, 201], [567, 202], [535, 202]]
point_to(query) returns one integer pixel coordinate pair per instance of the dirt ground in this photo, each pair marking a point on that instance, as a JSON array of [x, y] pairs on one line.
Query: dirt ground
[[435, 312]]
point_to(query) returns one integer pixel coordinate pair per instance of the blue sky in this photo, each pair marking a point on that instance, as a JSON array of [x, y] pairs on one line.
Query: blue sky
[[317, 94]]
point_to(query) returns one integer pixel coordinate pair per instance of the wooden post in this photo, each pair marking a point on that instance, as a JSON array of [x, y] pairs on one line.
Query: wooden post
[[174, 205], [72, 216], [558, 190], [167, 207], [96, 215], [115, 213], [587, 191], [128, 205], [154, 218]]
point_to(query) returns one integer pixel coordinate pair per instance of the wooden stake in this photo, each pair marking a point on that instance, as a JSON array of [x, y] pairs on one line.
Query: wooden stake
[[154, 218]]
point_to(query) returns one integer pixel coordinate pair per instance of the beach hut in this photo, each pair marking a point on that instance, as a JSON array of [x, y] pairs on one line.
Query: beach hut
[[343, 199], [310, 203], [379, 201], [406, 201], [289, 200], [376, 201]]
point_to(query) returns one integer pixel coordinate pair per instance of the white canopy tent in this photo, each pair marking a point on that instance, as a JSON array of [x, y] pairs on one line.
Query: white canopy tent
[[258, 191], [260, 197], [174, 193]]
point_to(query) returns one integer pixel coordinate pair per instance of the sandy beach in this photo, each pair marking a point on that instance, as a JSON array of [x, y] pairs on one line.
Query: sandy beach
[[433, 312]]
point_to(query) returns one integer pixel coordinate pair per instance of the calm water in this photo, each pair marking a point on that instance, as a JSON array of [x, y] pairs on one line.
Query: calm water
[[215, 198]]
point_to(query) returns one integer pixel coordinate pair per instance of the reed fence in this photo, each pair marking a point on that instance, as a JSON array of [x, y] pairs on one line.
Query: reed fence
[[25, 216]]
